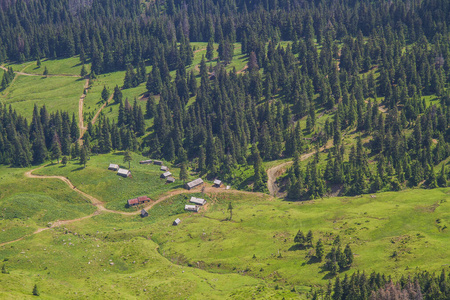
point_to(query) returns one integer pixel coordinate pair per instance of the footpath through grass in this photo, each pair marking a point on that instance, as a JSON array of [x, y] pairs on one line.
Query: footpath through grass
[[110, 188]]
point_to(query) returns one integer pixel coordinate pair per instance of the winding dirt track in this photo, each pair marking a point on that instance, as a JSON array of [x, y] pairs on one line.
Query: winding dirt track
[[275, 172], [80, 110], [102, 209]]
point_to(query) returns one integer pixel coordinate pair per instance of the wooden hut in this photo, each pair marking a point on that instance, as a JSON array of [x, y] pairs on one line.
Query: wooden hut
[[176, 222], [193, 184], [113, 167], [194, 208], [164, 168], [170, 179], [197, 201], [123, 173], [144, 213], [217, 183], [166, 174], [146, 162], [158, 162]]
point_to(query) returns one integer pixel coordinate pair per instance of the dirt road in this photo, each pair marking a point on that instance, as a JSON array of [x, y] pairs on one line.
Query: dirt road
[[275, 172]]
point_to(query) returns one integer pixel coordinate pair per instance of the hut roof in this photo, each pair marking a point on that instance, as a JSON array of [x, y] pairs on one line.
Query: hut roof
[[198, 201], [194, 183], [123, 172]]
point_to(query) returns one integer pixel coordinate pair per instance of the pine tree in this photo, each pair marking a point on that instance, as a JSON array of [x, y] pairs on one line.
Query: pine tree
[[210, 49], [56, 148], [183, 172], [38, 62], [64, 160], [83, 71], [230, 209], [45, 71], [117, 97], [35, 290], [300, 238], [127, 158], [309, 238], [319, 250], [105, 94], [442, 178]]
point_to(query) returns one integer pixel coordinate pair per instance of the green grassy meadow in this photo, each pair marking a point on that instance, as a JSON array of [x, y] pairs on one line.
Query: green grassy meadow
[[107, 186], [206, 256], [56, 93]]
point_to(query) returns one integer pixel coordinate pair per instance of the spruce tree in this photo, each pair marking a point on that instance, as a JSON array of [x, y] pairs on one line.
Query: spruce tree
[[319, 250], [183, 172], [127, 158], [36, 290]]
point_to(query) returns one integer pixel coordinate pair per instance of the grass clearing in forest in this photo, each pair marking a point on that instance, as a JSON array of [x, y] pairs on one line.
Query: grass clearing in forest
[[56, 93]]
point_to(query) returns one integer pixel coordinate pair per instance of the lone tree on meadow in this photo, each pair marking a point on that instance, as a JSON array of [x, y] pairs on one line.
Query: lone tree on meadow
[[127, 158], [64, 160], [230, 209], [45, 71], [36, 290], [38, 63]]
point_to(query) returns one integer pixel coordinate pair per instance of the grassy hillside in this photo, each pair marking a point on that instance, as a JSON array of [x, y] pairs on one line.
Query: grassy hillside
[[107, 186], [207, 256], [26, 204]]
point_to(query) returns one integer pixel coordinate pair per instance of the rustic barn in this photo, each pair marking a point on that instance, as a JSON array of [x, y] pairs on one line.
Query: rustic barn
[[123, 173], [133, 202], [193, 184], [170, 179], [166, 174], [164, 168], [198, 201], [146, 162], [138, 200], [158, 162], [217, 183], [191, 207], [144, 213], [113, 167], [176, 222]]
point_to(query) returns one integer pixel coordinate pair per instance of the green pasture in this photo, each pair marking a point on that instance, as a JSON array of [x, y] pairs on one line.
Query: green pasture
[[107, 186], [56, 93], [28, 203]]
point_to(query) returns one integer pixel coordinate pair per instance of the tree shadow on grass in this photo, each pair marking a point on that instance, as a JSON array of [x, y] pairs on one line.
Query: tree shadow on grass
[[297, 247], [78, 169]]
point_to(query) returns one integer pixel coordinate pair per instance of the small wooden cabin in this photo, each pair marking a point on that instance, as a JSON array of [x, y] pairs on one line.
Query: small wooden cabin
[[158, 162], [217, 183], [166, 174], [146, 162], [164, 168], [144, 213], [197, 201], [113, 167], [194, 208], [193, 184], [176, 222], [123, 173], [170, 179]]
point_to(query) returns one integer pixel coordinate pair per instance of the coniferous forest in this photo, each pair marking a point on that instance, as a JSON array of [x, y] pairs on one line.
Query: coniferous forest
[[379, 71]]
